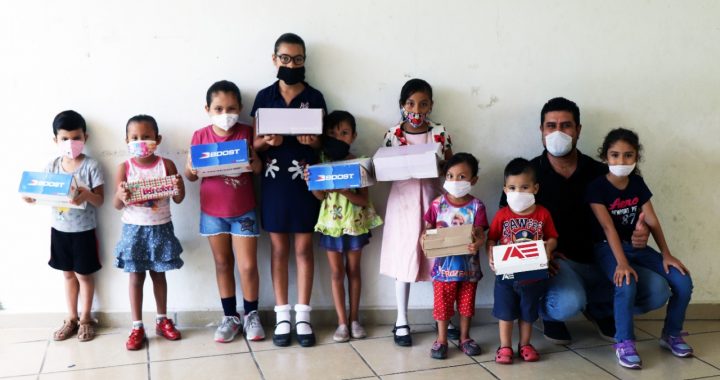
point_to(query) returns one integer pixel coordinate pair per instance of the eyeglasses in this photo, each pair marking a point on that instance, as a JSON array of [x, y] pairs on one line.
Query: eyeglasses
[[285, 59]]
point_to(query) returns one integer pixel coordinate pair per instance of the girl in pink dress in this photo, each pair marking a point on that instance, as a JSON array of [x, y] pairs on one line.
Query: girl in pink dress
[[401, 256]]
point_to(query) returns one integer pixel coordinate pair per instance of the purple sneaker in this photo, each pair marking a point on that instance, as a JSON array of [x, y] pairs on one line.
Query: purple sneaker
[[627, 354], [676, 345]]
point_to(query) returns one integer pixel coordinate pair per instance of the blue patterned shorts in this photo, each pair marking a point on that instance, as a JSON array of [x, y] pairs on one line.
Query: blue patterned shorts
[[143, 248], [344, 243]]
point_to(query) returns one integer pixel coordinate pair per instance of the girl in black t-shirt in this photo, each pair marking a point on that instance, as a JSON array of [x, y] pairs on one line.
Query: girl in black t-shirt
[[619, 200]]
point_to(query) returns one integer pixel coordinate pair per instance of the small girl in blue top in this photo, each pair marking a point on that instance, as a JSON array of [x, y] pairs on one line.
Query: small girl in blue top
[[619, 200]]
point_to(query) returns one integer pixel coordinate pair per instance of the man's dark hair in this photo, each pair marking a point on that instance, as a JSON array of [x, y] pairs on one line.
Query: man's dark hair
[[560, 104]]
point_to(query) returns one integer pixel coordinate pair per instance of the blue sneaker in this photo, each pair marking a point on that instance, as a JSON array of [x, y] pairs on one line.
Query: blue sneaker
[[627, 354], [676, 345]]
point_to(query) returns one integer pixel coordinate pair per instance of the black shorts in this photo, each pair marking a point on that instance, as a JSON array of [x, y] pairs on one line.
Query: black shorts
[[74, 251]]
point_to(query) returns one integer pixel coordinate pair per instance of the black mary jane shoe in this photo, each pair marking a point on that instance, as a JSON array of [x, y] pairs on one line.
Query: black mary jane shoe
[[281, 340], [305, 340], [402, 341]]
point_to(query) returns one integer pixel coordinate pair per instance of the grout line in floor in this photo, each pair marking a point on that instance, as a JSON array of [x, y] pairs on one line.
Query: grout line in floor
[[252, 355], [431, 369], [593, 363], [363, 359], [42, 364]]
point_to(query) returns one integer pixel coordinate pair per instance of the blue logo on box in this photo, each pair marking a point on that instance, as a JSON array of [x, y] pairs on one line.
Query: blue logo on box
[[217, 154], [337, 176], [46, 183]]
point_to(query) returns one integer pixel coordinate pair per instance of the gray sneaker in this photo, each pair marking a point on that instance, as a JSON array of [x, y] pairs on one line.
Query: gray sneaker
[[253, 328], [357, 331], [341, 334], [229, 327]]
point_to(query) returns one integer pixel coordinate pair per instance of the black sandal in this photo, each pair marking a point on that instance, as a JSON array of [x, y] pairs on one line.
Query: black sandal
[[402, 341], [281, 340], [305, 340]]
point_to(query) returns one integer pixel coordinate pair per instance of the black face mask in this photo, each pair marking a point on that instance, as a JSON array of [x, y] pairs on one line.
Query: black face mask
[[335, 149], [291, 76]]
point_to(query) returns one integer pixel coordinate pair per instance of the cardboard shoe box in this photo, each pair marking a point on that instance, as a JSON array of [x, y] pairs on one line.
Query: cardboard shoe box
[[449, 241], [53, 189], [289, 121], [347, 174], [230, 158], [150, 189], [521, 261], [404, 162]]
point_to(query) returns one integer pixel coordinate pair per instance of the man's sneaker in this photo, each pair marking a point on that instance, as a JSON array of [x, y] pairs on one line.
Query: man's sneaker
[[556, 332], [166, 328], [342, 334], [229, 327], [627, 354], [439, 351], [136, 340], [676, 345], [605, 326], [252, 327]]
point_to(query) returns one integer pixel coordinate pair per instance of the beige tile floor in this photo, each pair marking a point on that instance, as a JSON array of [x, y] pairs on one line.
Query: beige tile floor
[[31, 354]]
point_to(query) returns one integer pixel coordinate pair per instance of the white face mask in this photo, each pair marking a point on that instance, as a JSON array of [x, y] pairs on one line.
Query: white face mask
[[519, 201], [457, 189], [558, 143], [225, 121], [621, 170]]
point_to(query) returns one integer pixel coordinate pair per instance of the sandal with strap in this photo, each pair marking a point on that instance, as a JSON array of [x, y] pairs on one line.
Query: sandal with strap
[[86, 331], [504, 355], [528, 353], [67, 330]]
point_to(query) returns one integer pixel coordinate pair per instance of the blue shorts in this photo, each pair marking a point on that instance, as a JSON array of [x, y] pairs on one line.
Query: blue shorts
[[518, 300], [244, 225], [344, 243]]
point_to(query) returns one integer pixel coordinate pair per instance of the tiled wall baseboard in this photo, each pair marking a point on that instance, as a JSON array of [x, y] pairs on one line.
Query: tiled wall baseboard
[[199, 318]]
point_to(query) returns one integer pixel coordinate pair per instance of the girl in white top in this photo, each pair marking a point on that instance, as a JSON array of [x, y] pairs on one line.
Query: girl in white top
[[148, 241]]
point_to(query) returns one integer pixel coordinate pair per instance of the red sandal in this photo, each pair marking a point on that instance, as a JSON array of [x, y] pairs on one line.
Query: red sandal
[[504, 355], [528, 353]]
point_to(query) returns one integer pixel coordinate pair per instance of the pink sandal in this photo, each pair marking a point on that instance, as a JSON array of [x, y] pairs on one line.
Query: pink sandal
[[504, 355], [528, 353]]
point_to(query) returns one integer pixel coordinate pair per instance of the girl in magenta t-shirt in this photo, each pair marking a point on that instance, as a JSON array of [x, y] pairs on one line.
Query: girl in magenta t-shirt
[[227, 215]]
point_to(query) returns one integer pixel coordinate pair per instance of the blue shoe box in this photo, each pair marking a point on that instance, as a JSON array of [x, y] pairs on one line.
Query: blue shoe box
[[347, 174], [230, 158]]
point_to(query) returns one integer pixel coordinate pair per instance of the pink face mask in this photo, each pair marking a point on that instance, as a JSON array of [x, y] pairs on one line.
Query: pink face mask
[[71, 148], [142, 148]]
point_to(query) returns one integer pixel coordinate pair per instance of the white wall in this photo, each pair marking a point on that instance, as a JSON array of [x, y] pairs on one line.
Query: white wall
[[649, 66]]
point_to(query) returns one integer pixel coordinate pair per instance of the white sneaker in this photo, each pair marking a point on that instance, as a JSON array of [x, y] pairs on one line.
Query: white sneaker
[[357, 331], [229, 327], [253, 328], [341, 334]]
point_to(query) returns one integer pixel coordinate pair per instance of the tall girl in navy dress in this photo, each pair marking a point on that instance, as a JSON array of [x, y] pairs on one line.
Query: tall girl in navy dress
[[619, 200], [286, 204]]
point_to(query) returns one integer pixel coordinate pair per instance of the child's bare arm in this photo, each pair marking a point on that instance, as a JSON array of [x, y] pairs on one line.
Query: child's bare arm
[[361, 198], [121, 193], [190, 173], [653, 223], [550, 246], [488, 249], [255, 163], [179, 184], [478, 235], [95, 197]]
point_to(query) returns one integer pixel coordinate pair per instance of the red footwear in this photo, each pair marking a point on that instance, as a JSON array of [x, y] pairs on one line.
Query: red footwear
[[166, 329], [504, 355], [136, 339], [528, 353]]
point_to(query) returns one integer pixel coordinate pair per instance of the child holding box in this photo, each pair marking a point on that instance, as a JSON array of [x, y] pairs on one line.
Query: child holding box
[[520, 221], [455, 278], [346, 218], [73, 242], [286, 204], [227, 215], [148, 241]]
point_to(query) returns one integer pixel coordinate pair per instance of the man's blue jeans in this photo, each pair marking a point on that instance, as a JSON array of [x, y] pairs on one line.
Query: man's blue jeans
[[625, 296], [584, 286]]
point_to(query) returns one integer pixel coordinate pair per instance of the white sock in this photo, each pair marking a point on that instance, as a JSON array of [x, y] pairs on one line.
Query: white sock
[[137, 325], [282, 313], [160, 317], [402, 293], [302, 314]]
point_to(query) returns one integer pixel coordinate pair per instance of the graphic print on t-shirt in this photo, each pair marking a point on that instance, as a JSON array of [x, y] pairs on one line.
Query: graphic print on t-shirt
[[627, 209], [518, 230]]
